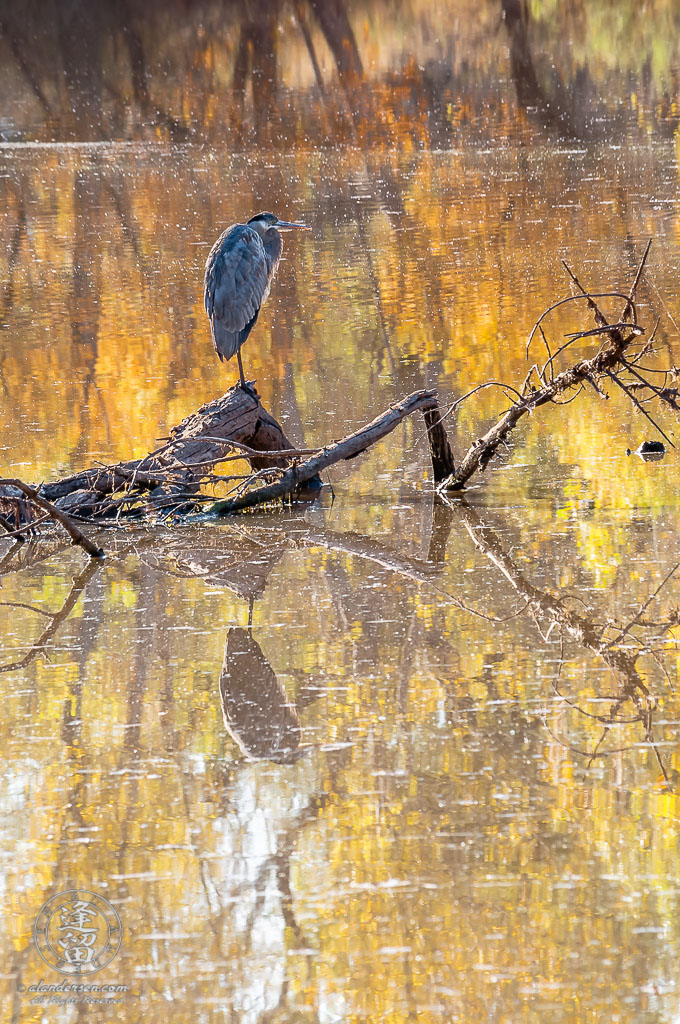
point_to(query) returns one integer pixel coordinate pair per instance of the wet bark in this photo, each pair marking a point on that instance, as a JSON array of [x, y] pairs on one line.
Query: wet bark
[[440, 450], [177, 467], [166, 477]]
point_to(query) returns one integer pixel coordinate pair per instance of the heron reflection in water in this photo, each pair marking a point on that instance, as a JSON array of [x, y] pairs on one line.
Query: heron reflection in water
[[238, 276], [256, 709]]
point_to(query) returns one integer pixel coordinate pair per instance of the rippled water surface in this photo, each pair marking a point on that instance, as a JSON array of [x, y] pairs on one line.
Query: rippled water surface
[[382, 757]]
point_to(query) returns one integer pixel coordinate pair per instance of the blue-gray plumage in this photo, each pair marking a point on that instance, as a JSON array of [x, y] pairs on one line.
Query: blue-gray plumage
[[238, 275]]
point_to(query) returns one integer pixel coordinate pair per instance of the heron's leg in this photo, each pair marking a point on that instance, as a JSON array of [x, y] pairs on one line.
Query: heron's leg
[[240, 369]]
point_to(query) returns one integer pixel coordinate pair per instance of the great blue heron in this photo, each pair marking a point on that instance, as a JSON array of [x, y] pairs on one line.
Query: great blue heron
[[238, 275]]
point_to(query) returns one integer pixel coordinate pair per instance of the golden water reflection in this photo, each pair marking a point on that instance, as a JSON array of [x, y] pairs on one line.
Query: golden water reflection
[[482, 818], [106, 345]]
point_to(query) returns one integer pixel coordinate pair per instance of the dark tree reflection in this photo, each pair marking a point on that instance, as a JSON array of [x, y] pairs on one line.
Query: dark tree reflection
[[289, 73]]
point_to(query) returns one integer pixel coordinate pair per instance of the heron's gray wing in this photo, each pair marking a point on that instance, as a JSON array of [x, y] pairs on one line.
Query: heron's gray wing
[[236, 278]]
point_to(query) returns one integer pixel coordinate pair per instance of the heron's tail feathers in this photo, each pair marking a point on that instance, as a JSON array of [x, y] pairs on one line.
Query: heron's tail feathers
[[227, 343]]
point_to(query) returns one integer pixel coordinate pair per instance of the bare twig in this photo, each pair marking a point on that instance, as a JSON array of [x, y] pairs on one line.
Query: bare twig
[[635, 328], [480, 387], [20, 534], [76, 535], [637, 404], [247, 450], [600, 318], [605, 362], [573, 298], [629, 307]]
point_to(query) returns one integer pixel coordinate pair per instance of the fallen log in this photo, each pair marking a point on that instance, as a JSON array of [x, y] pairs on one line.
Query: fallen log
[[351, 446], [237, 422], [235, 426], [50, 512], [179, 474]]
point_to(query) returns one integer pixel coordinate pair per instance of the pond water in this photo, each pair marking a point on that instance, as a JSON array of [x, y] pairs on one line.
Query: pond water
[[384, 757]]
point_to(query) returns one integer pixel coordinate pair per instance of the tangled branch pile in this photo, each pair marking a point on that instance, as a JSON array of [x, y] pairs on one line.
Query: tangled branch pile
[[612, 363], [181, 476]]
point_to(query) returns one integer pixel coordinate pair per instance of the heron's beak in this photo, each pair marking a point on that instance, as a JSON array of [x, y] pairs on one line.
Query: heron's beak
[[288, 225]]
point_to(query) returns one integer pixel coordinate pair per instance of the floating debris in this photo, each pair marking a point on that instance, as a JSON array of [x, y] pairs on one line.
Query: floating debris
[[650, 451]]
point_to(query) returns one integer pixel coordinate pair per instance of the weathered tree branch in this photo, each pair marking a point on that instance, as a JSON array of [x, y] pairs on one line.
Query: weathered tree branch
[[609, 360], [235, 426], [76, 535], [348, 448], [177, 467], [180, 474]]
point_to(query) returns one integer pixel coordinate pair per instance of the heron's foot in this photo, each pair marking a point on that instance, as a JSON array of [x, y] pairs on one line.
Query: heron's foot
[[248, 386]]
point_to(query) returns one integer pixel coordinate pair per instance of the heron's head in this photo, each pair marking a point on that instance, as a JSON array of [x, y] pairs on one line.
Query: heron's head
[[263, 222]]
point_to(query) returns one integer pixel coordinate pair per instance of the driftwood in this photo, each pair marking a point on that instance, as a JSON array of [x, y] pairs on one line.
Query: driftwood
[[51, 512], [234, 425], [181, 475], [351, 446]]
